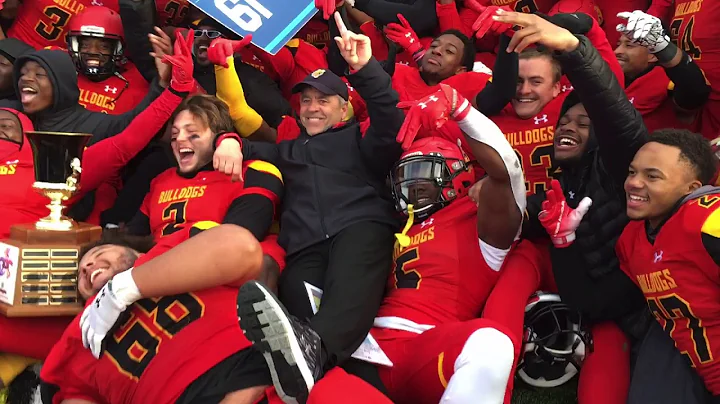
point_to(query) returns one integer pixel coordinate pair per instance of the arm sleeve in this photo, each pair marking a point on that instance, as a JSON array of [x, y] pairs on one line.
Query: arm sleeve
[[139, 225], [449, 18], [378, 146], [138, 18], [690, 88], [606, 298], [111, 125], [420, 14], [245, 120], [254, 209], [104, 159], [618, 126], [262, 94], [501, 90]]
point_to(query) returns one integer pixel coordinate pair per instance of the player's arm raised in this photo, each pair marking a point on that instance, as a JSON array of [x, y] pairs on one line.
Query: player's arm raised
[[501, 200]]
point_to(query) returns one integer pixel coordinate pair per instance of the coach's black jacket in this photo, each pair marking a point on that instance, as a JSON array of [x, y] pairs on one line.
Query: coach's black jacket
[[587, 273], [337, 178]]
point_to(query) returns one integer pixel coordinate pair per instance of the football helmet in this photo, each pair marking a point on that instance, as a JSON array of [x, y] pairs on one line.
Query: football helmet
[[430, 175], [97, 22], [555, 344]]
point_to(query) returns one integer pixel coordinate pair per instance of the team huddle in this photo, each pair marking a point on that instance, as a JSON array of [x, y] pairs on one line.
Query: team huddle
[[414, 201]]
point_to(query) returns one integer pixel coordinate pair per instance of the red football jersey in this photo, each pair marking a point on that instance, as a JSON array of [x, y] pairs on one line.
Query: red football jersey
[[442, 276], [695, 30], [172, 12], [411, 87], [41, 23], [164, 345], [113, 95], [681, 281], [649, 94], [174, 200], [532, 140]]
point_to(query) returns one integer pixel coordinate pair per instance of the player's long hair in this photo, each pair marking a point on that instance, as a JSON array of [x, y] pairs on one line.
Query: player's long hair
[[210, 110]]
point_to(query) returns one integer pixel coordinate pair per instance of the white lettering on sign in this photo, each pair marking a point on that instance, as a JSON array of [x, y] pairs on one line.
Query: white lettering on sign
[[246, 16]]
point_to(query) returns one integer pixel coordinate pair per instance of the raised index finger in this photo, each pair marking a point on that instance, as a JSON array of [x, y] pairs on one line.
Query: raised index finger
[[340, 24]]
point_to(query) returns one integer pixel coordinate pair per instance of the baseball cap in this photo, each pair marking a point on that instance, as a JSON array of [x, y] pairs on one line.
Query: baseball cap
[[324, 81]]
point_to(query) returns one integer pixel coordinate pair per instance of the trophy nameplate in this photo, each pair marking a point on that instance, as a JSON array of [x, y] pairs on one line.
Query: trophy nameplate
[[39, 263]]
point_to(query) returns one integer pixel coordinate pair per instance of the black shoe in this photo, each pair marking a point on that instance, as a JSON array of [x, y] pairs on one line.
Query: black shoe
[[291, 348]]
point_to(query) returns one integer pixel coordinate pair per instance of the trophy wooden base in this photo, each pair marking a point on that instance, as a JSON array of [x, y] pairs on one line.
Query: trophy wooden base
[[39, 270]]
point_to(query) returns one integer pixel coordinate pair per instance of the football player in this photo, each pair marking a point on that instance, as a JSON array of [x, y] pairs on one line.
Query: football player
[[447, 261], [108, 82], [529, 120], [661, 79], [179, 341], [694, 29], [671, 247]]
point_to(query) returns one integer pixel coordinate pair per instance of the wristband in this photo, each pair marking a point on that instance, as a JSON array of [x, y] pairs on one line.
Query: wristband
[[123, 287]]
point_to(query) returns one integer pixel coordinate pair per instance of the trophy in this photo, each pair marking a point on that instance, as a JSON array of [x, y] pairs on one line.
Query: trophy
[[39, 263]]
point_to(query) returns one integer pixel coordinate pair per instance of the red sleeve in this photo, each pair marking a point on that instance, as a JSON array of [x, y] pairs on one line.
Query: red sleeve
[[620, 251], [449, 18], [599, 40], [282, 63], [288, 129], [271, 248], [377, 40], [104, 159]]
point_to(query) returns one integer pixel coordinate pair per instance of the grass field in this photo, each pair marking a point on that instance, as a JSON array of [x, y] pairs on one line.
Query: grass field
[[565, 394]]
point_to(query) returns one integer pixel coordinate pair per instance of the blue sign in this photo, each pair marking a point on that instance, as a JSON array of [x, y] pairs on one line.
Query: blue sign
[[272, 23]]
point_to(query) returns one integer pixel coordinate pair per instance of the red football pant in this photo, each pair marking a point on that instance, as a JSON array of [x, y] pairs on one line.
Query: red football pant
[[605, 374], [31, 336], [423, 364]]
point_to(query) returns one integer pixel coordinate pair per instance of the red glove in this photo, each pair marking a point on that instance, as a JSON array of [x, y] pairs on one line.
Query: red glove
[[484, 23], [559, 219], [221, 49], [182, 63], [403, 35], [431, 113], [327, 7]]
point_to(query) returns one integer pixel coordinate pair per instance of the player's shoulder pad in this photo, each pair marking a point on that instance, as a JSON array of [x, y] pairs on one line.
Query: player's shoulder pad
[[711, 225], [264, 167], [200, 227]]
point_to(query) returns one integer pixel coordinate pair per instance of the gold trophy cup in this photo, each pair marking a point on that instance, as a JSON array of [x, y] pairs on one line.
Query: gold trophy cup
[[39, 263]]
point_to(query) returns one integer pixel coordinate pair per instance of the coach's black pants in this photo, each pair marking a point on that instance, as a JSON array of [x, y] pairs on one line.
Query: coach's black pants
[[351, 268]]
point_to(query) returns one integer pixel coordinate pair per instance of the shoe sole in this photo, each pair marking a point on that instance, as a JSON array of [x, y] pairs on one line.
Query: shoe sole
[[267, 325]]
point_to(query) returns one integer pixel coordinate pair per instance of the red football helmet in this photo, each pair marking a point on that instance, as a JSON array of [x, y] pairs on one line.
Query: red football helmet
[[430, 175], [96, 22]]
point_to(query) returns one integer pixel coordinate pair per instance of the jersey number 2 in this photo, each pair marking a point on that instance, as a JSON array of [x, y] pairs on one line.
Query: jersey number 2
[[59, 18], [406, 278], [176, 213], [136, 342], [672, 308]]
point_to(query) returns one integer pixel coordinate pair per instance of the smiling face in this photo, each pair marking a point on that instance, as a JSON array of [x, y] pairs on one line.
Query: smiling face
[[537, 86], [36, 90], [320, 112], [191, 141], [204, 34], [657, 178], [571, 135], [634, 59], [444, 58], [100, 264], [96, 52]]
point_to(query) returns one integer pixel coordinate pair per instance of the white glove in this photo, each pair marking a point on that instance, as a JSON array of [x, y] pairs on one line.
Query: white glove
[[100, 316], [643, 29]]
